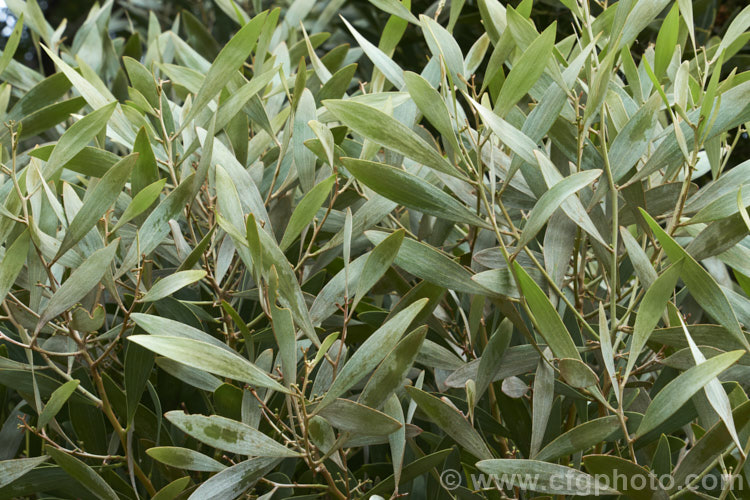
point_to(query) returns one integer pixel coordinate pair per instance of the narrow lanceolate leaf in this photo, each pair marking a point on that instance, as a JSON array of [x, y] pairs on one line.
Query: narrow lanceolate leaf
[[10, 470], [385, 130], [653, 305], [185, 458], [492, 356], [380, 59], [577, 374], [681, 389], [11, 44], [371, 352], [83, 474], [229, 60], [549, 323], [228, 435], [544, 394], [452, 422], [283, 330], [700, 283], [207, 357], [377, 263], [432, 106], [172, 283], [605, 341], [144, 199], [551, 201], [428, 263], [526, 71], [390, 375], [97, 202], [79, 283], [304, 159], [411, 191], [549, 478], [156, 325], [359, 419], [77, 137], [396, 8], [56, 402], [305, 211], [714, 442], [580, 438], [156, 225], [234, 481], [516, 140], [12, 263], [714, 391]]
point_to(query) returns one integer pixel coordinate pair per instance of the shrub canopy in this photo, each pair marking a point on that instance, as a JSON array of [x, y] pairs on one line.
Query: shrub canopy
[[280, 265]]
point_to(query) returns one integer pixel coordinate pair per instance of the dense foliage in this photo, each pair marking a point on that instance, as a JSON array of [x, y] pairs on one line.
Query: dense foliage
[[270, 264]]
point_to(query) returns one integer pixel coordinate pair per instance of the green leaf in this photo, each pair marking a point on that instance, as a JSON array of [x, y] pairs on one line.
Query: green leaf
[[324, 135], [232, 482], [551, 201], [383, 129], [156, 225], [185, 458], [526, 71], [380, 59], [715, 394], [577, 373], [516, 140], [701, 284], [10, 470], [452, 422], [492, 355], [76, 137], [708, 447], [11, 44], [444, 46], [681, 389], [358, 419], [56, 402], [549, 478], [396, 8], [306, 210], [228, 435], [428, 263], [12, 263], [548, 322], [286, 339], [170, 491], [79, 283], [389, 376], [145, 172], [580, 438], [371, 352], [739, 25], [304, 159], [97, 202], [432, 106], [666, 41], [542, 400], [139, 363], [231, 57], [207, 357], [140, 203], [170, 284], [377, 263], [85, 475], [634, 481], [653, 306], [411, 191]]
